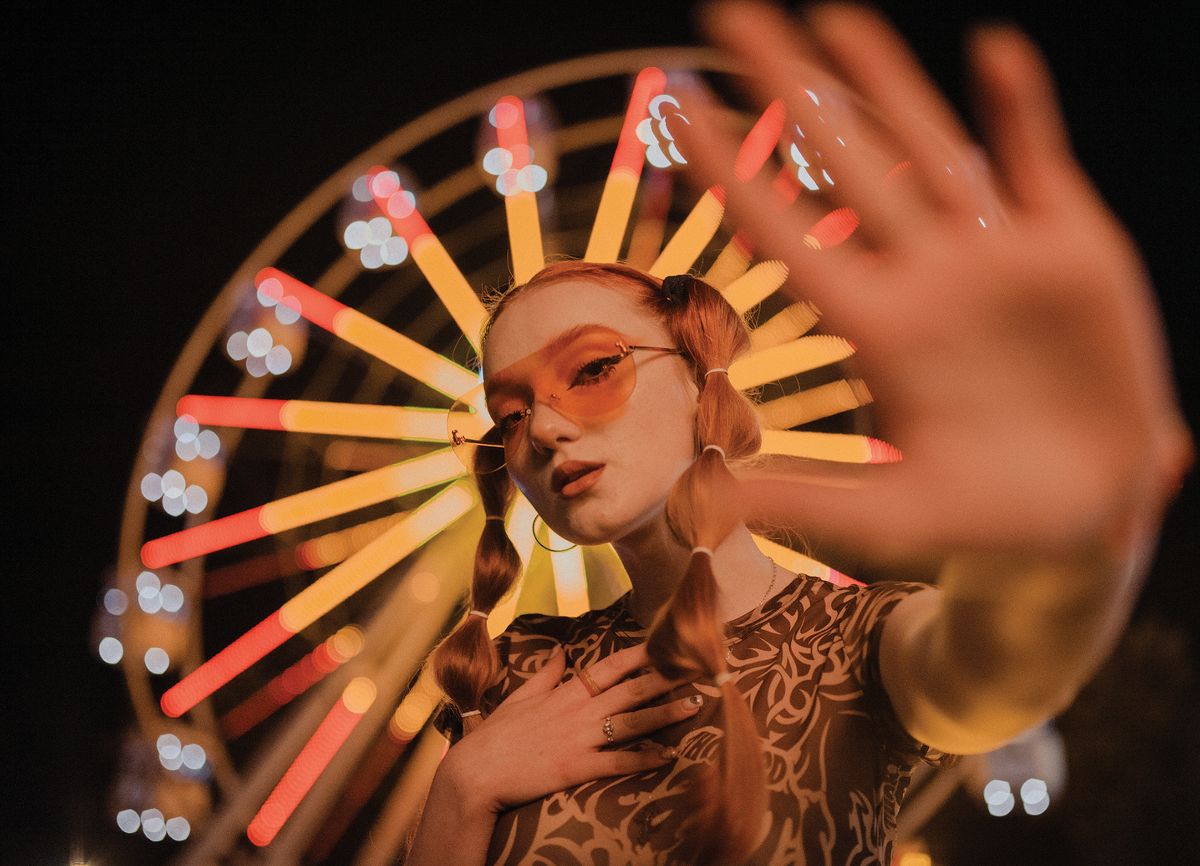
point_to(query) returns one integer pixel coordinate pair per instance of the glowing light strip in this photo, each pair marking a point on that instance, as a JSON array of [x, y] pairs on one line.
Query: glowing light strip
[[325, 742], [311, 416], [414, 711], [819, 402], [734, 259], [519, 527], [299, 509], [790, 322], [321, 596], [794, 560], [374, 338], [835, 447], [570, 581], [757, 284], [701, 224], [798, 356], [520, 207], [832, 229], [327, 657], [620, 188], [447, 281]]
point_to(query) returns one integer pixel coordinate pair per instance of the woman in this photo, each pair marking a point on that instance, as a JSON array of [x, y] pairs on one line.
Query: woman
[[619, 424]]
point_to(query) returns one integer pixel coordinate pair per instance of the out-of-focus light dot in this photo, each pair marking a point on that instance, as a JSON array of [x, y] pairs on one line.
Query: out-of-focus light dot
[[347, 643], [151, 603], [169, 746], [259, 342], [193, 756], [269, 291], [115, 601], [1033, 790], [209, 444], [174, 505], [506, 184], [256, 367], [828, 179], [178, 828], [173, 482], [841, 141], [503, 115], [152, 486], [236, 345], [522, 154], [157, 834], [816, 100], [186, 428], [424, 585], [152, 818], [195, 499], [148, 584], [157, 660], [1037, 807], [982, 223], [360, 190], [995, 791], [128, 821], [915, 858], [385, 183], [1003, 807], [287, 312], [279, 360], [380, 229], [172, 598], [394, 250], [531, 178], [371, 257], [188, 450], [172, 763], [111, 650], [401, 204], [497, 160], [357, 235]]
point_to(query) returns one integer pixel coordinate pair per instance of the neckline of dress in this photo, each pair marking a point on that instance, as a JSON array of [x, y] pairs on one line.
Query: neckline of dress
[[735, 629]]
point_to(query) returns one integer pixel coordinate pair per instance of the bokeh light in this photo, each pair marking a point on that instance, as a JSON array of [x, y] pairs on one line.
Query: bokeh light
[[115, 601], [157, 660], [111, 650], [129, 821]]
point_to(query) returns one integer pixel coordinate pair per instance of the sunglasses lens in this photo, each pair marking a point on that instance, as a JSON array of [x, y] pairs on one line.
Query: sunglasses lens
[[593, 376], [470, 432]]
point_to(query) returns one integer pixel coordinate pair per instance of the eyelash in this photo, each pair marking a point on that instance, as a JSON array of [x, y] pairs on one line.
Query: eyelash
[[607, 365]]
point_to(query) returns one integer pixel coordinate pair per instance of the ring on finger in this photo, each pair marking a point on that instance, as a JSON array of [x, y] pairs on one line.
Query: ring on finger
[[588, 682], [607, 727]]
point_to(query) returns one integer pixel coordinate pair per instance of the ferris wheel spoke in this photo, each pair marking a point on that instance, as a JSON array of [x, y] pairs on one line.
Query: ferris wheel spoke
[[376, 339], [796, 356], [792, 321], [320, 597], [810, 404], [801, 563], [758, 283], [835, 447], [620, 187], [299, 509]]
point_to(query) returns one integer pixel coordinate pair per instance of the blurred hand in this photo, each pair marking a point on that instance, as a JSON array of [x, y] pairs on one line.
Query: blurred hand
[[548, 736], [1020, 368]]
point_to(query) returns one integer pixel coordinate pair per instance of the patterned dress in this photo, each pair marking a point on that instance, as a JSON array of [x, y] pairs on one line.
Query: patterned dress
[[806, 660]]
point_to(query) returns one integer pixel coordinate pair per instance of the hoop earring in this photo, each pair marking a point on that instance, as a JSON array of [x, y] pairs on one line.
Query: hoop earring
[[538, 541]]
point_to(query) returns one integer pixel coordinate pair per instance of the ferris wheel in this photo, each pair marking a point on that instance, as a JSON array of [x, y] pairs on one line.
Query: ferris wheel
[[297, 533]]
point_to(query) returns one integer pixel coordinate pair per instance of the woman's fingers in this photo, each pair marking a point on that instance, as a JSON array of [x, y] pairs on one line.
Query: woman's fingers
[[634, 691], [629, 726]]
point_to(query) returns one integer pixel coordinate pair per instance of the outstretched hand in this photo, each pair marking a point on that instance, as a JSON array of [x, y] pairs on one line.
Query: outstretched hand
[[1019, 366]]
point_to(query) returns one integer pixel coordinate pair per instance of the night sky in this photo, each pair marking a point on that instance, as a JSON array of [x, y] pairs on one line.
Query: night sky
[[147, 154]]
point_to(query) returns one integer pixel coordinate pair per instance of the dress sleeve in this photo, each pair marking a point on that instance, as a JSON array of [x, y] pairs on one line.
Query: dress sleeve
[[521, 648], [861, 626]]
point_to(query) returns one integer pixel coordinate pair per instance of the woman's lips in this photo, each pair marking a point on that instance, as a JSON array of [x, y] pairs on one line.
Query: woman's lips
[[583, 482]]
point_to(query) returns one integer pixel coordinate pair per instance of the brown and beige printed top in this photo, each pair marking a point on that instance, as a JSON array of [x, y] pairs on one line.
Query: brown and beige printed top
[[806, 660]]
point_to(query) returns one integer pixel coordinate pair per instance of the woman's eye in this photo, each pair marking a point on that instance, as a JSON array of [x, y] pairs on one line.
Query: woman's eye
[[596, 371], [509, 423]]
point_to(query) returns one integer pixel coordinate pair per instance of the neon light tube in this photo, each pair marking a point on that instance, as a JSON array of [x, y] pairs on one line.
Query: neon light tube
[[757, 284], [835, 447], [813, 403], [309, 506], [794, 560], [788, 324], [620, 188], [797, 356], [520, 206], [310, 416]]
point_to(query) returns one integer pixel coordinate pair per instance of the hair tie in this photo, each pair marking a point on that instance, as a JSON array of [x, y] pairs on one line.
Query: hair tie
[[707, 373], [701, 549], [722, 678], [714, 448], [470, 713], [499, 517], [474, 612], [677, 288]]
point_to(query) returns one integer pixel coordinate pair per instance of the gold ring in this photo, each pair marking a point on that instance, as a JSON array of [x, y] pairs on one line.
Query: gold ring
[[588, 682], [609, 733]]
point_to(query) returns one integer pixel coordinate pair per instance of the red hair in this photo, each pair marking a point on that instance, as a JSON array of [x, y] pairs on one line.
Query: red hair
[[685, 639]]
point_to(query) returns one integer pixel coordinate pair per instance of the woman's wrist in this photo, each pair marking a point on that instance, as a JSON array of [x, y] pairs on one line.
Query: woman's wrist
[[461, 783]]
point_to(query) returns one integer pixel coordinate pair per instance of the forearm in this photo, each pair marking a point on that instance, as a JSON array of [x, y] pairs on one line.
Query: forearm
[[454, 819]]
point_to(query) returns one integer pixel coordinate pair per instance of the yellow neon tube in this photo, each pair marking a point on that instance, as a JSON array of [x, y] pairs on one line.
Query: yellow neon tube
[[757, 284], [798, 356]]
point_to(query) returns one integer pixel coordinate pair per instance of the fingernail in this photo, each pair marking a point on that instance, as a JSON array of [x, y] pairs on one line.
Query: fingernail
[[669, 753], [696, 700]]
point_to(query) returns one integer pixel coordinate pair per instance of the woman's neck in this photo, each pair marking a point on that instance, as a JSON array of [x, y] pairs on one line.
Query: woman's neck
[[655, 561]]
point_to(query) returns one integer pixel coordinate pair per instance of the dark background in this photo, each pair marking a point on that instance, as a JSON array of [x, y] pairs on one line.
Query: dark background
[[146, 153]]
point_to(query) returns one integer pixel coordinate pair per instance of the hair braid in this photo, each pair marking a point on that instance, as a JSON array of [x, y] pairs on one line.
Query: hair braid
[[465, 663]]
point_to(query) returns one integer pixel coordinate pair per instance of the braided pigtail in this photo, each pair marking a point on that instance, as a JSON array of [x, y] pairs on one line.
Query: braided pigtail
[[686, 638], [465, 663]]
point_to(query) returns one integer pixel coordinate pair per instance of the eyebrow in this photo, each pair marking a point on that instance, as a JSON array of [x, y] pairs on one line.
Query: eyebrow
[[499, 381]]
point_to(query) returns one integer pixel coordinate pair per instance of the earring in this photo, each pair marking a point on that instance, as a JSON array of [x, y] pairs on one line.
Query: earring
[[538, 541]]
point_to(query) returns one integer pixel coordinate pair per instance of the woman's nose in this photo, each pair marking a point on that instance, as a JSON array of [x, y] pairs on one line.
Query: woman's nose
[[549, 428]]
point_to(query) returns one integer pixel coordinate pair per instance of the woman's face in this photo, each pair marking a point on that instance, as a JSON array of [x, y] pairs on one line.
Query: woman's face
[[642, 448]]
